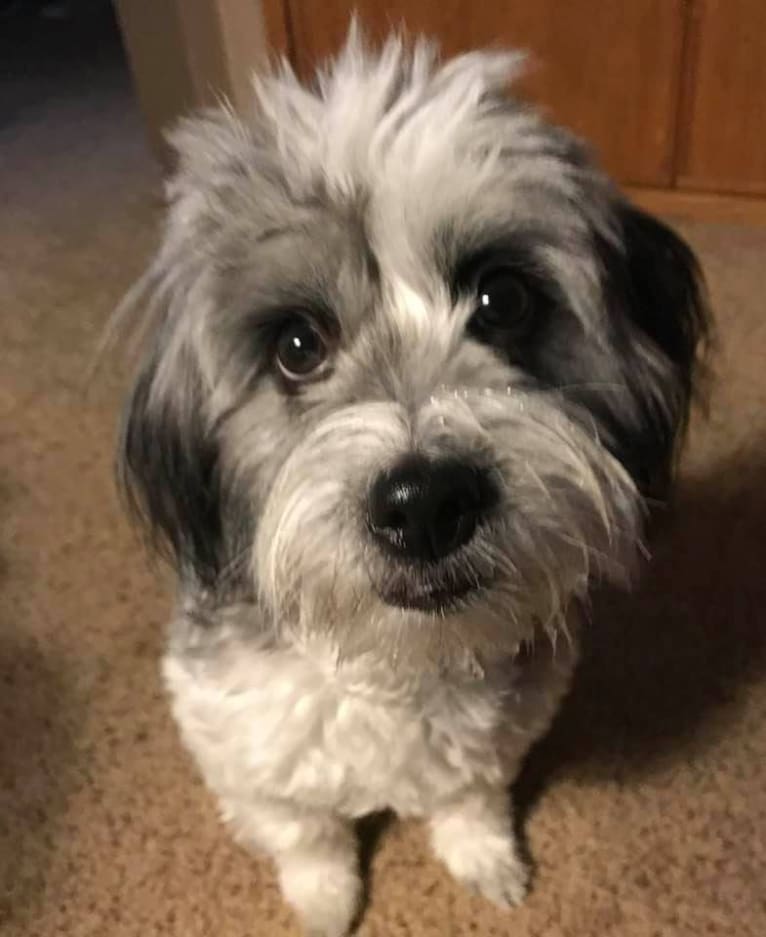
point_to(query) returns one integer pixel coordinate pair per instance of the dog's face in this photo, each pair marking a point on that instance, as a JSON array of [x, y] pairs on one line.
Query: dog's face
[[412, 361]]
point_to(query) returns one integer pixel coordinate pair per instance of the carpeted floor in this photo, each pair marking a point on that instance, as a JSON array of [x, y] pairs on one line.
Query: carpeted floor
[[645, 810]]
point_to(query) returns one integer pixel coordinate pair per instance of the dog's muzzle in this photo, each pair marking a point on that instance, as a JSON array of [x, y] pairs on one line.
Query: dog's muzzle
[[419, 513]]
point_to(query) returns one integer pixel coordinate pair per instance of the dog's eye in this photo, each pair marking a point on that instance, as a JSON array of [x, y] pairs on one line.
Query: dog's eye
[[301, 350], [505, 305]]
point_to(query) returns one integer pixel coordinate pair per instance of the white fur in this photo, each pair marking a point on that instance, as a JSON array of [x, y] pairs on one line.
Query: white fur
[[296, 745]]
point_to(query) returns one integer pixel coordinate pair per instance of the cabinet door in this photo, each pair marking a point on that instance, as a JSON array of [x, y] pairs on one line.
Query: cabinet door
[[609, 69], [724, 143]]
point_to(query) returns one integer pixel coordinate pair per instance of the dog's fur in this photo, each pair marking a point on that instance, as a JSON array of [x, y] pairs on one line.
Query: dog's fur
[[307, 694]]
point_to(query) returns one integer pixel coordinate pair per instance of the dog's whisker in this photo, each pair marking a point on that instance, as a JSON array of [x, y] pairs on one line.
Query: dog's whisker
[[587, 385]]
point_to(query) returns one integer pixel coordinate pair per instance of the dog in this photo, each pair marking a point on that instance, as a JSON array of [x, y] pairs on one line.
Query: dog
[[412, 368]]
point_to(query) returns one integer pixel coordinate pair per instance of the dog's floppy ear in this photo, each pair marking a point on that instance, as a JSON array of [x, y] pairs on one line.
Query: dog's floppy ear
[[168, 460], [655, 281], [666, 294], [168, 466]]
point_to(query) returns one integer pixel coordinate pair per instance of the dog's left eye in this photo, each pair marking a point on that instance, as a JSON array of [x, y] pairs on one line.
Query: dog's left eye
[[301, 350], [505, 305]]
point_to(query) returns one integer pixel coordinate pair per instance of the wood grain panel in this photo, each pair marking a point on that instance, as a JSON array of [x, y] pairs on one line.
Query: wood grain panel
[[723, 146], [700, 206], [276, 17], [609, 70]]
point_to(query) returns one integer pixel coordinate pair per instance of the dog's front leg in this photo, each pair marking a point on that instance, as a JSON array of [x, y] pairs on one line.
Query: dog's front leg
[[474, 837], [316, 857]]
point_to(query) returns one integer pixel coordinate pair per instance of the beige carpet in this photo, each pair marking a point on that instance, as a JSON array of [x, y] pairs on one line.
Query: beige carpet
[[645, 810]]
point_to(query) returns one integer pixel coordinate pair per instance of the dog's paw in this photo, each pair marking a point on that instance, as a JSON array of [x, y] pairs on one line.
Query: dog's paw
[[325, 894], [481, 857], [502, 878]]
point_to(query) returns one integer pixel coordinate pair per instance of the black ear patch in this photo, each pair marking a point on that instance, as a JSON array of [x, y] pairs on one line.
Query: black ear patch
[[655, 281], [169, 467], [665, 291]]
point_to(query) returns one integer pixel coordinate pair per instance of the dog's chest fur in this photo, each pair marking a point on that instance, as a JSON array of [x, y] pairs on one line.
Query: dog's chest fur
[[292, 724]]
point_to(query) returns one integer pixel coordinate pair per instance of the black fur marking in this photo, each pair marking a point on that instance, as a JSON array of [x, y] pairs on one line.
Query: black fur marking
[[656, 281], [664, 288], [653, 287], [169, 469]]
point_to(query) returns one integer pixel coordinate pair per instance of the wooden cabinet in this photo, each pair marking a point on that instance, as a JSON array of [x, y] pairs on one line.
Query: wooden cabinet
[[723, 143], [609, 70], [670, 93]]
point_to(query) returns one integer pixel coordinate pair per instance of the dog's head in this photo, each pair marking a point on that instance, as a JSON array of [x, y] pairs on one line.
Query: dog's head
[[412, 363]]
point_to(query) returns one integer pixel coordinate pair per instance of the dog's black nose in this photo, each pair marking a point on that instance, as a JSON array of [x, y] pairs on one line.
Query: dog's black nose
[[424, 510]]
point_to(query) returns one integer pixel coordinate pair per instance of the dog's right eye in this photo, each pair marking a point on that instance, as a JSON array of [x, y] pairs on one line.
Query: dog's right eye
[[505, 304], [301, 350], [511, 299], [509, 308]]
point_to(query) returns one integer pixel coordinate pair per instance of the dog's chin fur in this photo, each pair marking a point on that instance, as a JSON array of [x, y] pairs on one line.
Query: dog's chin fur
[[567, 511], [314, 675]]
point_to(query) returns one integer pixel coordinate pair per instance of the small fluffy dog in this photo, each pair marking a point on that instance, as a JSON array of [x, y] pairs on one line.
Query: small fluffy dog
[[411, 366]]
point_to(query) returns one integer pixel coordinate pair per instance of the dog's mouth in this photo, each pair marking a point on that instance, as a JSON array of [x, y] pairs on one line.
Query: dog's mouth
[[434, 597]]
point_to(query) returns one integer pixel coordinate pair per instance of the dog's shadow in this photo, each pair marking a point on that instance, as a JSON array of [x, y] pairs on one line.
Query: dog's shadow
[[40, 716], [666, 667]]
